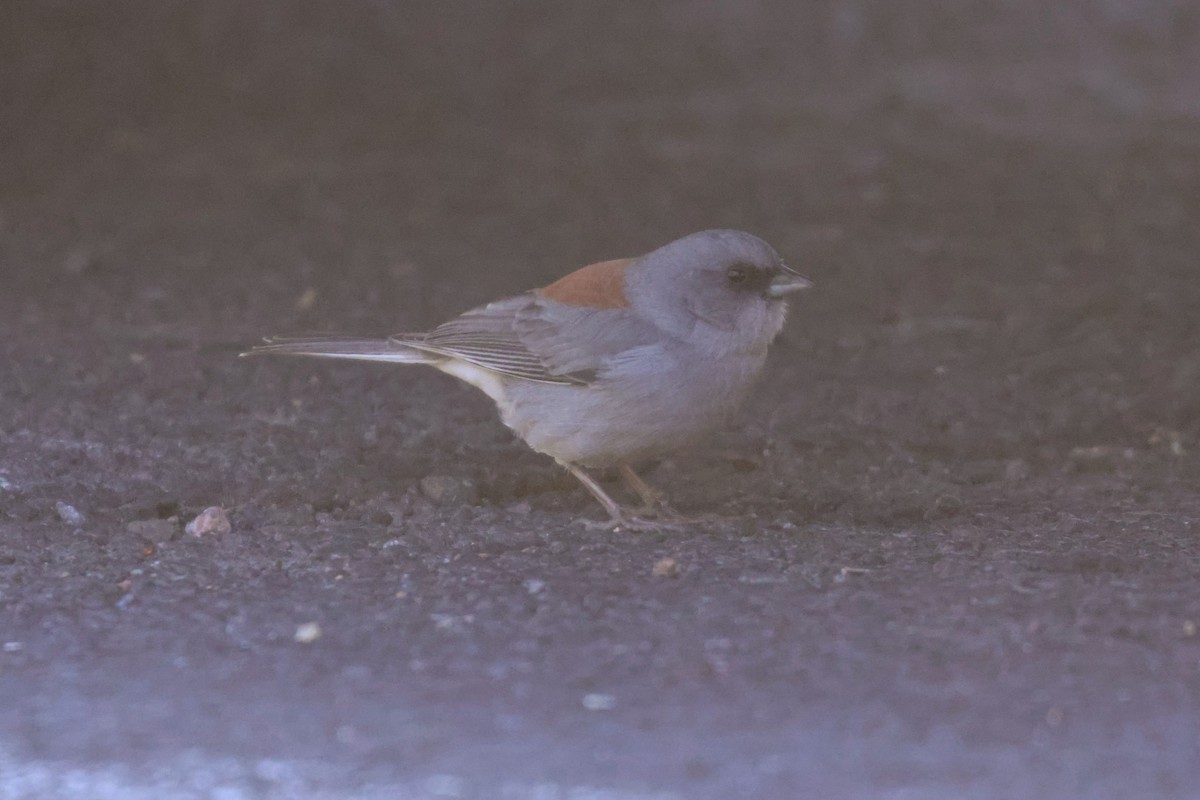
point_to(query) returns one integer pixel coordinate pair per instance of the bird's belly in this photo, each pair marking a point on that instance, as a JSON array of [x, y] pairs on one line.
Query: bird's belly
[[486, 380], [610, 422]]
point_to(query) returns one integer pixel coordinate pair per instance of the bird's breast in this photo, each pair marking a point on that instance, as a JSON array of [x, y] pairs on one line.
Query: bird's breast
[[629, 416]]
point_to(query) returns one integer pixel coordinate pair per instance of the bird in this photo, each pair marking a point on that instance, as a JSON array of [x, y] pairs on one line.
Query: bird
[[615, 363]]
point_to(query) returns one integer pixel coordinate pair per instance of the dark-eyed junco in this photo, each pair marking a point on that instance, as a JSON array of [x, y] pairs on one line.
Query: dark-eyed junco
[[616, 362]]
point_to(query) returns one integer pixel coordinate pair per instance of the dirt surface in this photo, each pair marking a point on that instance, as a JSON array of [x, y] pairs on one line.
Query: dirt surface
[[952, 544]]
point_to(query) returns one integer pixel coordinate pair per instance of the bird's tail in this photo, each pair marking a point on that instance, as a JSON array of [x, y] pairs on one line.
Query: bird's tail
[[340, 347]]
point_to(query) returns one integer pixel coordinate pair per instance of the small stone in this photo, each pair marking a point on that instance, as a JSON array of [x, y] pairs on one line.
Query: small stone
[[307, 300], [534, 586], [211, 520], [448, 490], [1189, 628], [68, 513], [845, 572], [743, 464], [666, 568], [599, 702], [381, 516], [152, 528], [307, 633], [452, 623]]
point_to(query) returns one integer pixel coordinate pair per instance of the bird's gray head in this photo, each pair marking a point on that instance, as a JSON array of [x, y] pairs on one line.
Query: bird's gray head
[[722, 288]]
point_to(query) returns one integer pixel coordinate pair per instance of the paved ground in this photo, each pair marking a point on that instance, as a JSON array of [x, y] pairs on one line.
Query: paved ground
[[954, 548]]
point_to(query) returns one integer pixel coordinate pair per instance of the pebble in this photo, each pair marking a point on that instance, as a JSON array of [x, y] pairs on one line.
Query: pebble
[[211, 520], [68, 513], [666, 568], [307, 633], [599, 702], [380, 516], [307, 300]]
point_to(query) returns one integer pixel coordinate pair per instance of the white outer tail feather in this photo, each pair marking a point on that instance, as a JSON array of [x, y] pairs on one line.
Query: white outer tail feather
[[388, 351], [350, 349]]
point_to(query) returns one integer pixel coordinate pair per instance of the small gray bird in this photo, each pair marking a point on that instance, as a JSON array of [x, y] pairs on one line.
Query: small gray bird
[[616, 362]]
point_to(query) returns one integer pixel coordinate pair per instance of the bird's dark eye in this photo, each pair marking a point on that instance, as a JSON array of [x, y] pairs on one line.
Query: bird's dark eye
[[736, 275]]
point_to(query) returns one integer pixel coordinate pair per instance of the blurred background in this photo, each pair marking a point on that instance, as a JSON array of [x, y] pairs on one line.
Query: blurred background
[[986, 410], [339, 141]]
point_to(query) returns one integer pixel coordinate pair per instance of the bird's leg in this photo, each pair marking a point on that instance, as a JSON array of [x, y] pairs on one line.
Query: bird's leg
[[653, 501], [617, 516], [614, 510]]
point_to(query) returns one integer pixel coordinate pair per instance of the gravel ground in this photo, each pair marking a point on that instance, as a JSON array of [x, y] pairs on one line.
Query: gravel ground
[[950, 549]]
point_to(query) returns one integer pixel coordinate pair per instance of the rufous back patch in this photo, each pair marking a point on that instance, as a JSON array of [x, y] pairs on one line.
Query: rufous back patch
[[600, 285]]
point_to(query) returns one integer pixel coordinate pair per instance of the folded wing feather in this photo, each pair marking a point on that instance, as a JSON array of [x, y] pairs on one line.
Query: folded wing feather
[[531, 338]]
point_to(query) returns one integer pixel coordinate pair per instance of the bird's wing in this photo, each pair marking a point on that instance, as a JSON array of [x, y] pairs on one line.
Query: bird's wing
[[536, 339], [580, 340], [486, 337]]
